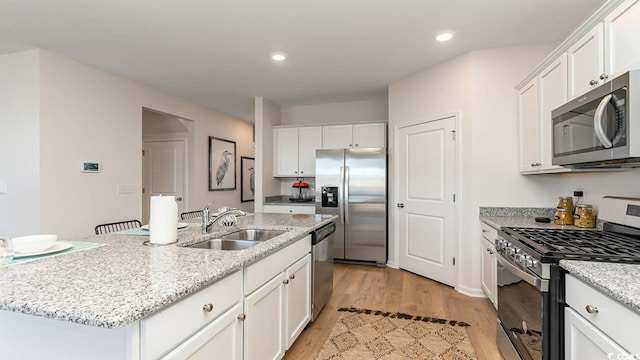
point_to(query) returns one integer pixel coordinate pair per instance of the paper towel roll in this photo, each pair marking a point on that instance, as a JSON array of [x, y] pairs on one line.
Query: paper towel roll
[[163, 220]]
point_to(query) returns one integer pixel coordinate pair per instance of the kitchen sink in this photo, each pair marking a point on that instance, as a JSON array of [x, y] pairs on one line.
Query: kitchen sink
[[253, 234], [224, 244]]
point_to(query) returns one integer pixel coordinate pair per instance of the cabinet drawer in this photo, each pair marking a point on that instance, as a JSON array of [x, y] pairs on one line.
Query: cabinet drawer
[[264, 270], [613, 318], [164, 330], [284, 209], [488, 232]]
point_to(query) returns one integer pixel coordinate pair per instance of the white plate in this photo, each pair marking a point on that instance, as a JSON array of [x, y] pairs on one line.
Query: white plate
[[181, 225], [58, 246]]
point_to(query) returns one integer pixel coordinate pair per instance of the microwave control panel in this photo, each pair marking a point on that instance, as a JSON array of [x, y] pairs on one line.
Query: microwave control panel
[[330, 196]]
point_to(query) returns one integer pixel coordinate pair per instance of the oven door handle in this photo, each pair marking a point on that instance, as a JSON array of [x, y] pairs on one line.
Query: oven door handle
[[540, 284]]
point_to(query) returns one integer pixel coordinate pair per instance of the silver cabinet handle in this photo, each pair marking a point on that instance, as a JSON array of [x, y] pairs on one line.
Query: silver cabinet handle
[[241, 317], [593, 82], [301, 172], [591, 309], [490, 251], [207, 307], [293, 276], [400, 205], [598, 118], [356, 144], [286, 281], [604, 76], [179, 198]]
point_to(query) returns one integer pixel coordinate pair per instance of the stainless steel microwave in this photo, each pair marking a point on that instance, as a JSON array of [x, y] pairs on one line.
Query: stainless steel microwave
[[600, 129]]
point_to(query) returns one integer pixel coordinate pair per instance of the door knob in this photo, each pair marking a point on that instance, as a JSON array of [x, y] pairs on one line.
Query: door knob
[[400, 205], [179, 198]]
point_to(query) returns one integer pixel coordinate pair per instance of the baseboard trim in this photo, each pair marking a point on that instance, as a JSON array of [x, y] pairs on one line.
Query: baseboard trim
[[471, 291]]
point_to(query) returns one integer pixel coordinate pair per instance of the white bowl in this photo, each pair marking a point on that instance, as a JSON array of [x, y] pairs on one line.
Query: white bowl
[[33, 243]]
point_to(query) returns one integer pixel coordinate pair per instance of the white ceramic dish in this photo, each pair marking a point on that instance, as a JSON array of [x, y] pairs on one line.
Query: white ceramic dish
[[58, 246], [33, 243], [181, 225]]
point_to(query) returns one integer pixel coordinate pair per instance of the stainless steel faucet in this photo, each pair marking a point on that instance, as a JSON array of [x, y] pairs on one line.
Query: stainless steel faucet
[[207, 221]]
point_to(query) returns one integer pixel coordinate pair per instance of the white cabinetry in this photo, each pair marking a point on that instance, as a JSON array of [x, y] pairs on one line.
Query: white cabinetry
[[354, 136], [622, 29], [278, 301], [586, 62], [295, 150], [489, 280], [289, 209], [596, 325], [176, 325], [528, 121]]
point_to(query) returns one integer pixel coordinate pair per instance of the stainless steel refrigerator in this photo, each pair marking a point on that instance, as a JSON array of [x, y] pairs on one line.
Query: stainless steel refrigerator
[[352, 183]]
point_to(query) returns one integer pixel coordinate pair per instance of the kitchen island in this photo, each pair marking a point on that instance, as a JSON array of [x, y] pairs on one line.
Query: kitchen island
[[105, 292]]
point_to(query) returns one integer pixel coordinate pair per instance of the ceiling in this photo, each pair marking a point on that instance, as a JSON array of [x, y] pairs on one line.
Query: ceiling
[[217, 52]]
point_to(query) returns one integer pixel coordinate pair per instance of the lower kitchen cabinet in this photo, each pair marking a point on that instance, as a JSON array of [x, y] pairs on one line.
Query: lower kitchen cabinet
[[597, 326], [489, 263], [221, 339], [279, 309]]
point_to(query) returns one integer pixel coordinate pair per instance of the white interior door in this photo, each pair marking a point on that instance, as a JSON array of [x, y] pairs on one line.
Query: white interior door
[[163, 172], [426, 210]]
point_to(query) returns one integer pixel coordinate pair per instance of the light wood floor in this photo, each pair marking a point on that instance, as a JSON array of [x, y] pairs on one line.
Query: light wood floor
[[398, 290]]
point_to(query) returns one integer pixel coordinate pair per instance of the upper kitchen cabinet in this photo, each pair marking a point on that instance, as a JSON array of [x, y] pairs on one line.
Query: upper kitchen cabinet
[[586, 62], [622, 30], [295, 150], [354, 136], [536, 100]]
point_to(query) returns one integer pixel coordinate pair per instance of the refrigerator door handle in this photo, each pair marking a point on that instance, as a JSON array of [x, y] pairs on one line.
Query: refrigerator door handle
[[341, 195], [345, 202]]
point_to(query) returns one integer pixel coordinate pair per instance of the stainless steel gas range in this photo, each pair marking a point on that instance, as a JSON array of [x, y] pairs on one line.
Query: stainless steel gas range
[[531, 283]]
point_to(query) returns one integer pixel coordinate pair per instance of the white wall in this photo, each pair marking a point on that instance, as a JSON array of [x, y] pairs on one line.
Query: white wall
[[267, 115], [344, 112], [19, 144], [90, 114], [479, 87]]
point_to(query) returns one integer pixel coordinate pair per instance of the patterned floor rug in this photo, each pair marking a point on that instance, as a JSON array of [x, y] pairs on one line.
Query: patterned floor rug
[[373, 334]]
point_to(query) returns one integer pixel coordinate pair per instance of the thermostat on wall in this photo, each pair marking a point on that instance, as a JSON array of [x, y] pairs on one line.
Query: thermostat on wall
[[90, 167]]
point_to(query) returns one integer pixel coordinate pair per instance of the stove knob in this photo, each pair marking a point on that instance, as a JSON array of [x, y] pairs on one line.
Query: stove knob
[[533, 263], [518, 251], [510, 251], [525, 260], [518, 257]]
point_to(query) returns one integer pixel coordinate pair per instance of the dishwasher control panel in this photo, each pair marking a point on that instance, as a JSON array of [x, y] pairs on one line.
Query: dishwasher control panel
[[330, 196]]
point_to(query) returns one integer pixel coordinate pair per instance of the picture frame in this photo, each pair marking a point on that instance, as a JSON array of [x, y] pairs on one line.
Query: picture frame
[[247, 178], [90, 167], [222, 164]]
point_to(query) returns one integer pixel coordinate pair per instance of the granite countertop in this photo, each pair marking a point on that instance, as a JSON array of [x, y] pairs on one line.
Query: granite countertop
[[118, 284], [620, 281], [497, 218], [284, 200]]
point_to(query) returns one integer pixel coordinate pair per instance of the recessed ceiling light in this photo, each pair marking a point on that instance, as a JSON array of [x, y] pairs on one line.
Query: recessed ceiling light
[[278, 56], [444, 36]]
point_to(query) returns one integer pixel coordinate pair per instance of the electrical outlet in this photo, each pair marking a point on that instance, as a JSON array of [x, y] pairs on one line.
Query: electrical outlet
[[126, 189], [578, 193]]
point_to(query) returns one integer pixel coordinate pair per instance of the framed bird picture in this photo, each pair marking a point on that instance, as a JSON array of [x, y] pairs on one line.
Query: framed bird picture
[[247, 178], [222, 164]]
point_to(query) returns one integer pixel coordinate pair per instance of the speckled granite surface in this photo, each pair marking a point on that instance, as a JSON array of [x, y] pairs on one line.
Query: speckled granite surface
[[486, 211], [115, 285], [522, 217], [284, 200], [620, 281]]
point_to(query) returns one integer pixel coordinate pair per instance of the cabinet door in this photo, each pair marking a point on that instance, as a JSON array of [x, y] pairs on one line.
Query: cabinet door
[[586, 62], [369, 135], [337, 136], [583, 341], [297, 303], [529, 135], [264, 324], [285, 152], [622, 30], [221, 339], [488, 270], [553, 93], [309, 140]]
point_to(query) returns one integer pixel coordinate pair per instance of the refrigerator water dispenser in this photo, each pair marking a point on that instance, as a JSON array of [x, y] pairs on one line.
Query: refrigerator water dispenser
[[330, 196]]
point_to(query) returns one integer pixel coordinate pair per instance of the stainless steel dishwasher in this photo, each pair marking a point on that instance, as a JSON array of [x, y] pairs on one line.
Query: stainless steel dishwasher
[[322, 269]]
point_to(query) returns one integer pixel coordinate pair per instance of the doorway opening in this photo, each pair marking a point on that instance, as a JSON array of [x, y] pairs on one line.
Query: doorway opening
[[165, 143]]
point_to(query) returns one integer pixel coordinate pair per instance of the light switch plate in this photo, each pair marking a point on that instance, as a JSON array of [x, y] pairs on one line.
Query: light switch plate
[[3, 188], [126, 189]]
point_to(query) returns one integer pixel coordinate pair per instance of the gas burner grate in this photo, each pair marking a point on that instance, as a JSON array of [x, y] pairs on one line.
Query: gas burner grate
[[579, 244]]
